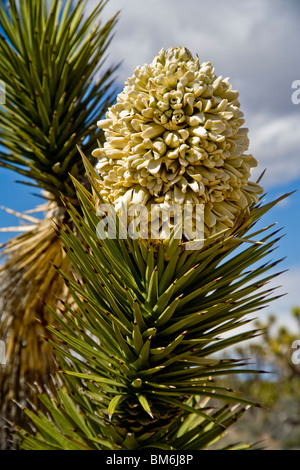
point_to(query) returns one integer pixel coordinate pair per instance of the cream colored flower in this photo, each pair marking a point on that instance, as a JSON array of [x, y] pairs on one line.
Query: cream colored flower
[[175, 136]]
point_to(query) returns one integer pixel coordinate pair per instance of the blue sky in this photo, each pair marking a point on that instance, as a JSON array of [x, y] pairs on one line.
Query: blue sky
[[256, 44]]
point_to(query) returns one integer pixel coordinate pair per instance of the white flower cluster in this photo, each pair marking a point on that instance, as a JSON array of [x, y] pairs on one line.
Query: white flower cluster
[[175, 137]]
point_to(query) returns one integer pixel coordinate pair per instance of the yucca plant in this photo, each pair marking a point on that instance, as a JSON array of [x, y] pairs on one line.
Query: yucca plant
[[57, 87], [141, 354], [140, 349]]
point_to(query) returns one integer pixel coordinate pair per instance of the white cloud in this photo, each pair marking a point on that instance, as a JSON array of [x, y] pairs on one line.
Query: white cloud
[[275, 143], [254, 41]]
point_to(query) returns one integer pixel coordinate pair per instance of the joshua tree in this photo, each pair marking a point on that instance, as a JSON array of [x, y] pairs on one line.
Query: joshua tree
[[57, 87], [140, 347]]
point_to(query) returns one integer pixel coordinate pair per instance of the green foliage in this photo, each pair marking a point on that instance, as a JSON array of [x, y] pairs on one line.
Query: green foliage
[[139, 357], [51, 55], [53, 63], [278, 425]]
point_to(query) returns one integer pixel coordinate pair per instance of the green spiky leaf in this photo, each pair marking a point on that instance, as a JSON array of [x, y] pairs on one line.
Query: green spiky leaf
[[52, 64]]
